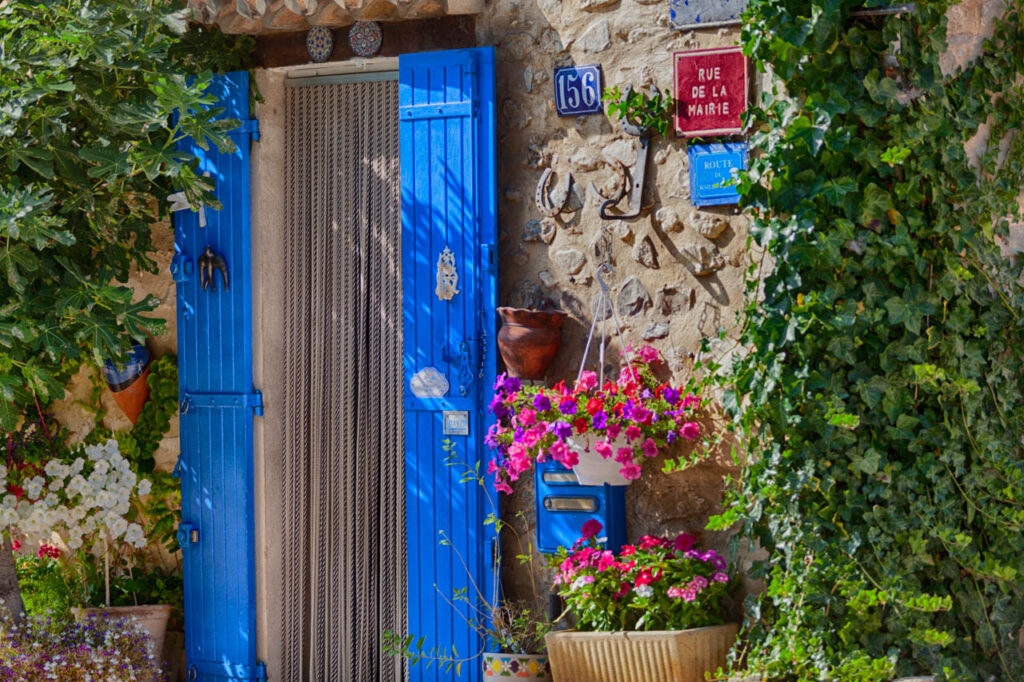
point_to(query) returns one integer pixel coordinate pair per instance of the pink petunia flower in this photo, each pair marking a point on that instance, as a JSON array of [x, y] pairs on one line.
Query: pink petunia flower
[[602, 448], [690, 402], [587, 381], [630, 471], [527, 417], [624, 455], [650, 448], [633, 432], [690, 430]]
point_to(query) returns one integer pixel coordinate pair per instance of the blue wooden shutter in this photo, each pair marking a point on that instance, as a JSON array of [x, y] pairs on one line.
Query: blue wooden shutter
[[446, 114], [217, 406]]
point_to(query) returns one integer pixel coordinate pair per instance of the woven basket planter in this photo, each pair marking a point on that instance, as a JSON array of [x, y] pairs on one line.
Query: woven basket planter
[[657, 656]]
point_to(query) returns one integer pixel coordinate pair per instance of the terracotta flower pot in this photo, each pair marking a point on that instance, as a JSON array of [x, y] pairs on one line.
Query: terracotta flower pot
[[655, 656], [529, 339], [132, 398], [527, 667]]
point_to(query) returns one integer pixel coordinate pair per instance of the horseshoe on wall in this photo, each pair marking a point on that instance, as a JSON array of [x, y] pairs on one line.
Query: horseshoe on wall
[[547, 205], [625, 182]]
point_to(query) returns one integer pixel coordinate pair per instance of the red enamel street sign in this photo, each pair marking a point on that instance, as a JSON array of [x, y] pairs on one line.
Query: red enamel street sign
[[711, 91]]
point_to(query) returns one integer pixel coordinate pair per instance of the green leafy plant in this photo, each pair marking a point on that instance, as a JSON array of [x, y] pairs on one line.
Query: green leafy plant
[[646, 111], [881, 402], [88, 96]]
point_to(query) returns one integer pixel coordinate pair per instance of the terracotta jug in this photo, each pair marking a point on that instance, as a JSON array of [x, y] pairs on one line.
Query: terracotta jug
[[529, 339]]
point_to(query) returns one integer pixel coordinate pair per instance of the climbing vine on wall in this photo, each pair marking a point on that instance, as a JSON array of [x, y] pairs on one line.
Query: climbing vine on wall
[[882, 399]]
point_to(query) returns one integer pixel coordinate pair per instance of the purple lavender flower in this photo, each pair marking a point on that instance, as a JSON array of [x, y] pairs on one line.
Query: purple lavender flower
[[670, 436], [600, 420], [646, 394], [567, 406], [670, 395], [541, 402]]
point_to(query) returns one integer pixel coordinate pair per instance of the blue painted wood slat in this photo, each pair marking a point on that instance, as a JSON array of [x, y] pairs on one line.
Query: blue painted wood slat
[[215, 386], [447, 143]]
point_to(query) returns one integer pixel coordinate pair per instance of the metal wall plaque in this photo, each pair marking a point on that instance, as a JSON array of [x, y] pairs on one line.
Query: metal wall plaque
[[711, 91], [712, 169], [578, 90], [456, 423], [688, 14], [428, 383]]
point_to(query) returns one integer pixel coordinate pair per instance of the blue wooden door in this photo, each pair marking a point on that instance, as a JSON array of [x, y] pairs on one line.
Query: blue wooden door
[[446, 114], [217, 408]]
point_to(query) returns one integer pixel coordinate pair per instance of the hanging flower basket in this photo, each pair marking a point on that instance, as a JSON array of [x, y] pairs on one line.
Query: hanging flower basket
[[624, 422], [592, 468]]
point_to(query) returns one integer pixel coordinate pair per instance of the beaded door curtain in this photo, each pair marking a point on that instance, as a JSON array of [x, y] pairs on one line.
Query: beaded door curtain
[[344, 575]]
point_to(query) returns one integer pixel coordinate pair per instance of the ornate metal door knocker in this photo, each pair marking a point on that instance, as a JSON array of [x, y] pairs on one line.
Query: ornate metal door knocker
[[447, 276], [207, 263]]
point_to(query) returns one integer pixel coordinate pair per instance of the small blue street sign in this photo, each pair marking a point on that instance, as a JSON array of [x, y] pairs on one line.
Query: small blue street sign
[[689, 14], [712, 169], [578, 90]]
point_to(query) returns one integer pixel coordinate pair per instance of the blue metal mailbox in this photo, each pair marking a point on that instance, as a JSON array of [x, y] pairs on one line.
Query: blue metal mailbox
[[563, 506], [712, 170]]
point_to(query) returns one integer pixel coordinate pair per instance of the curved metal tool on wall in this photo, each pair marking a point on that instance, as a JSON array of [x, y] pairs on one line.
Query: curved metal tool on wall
[[639, 172]]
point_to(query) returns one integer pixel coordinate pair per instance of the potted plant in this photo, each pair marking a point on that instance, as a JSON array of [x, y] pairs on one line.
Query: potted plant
[[512, 631], [604, 432], [80, 499], [649, 613]]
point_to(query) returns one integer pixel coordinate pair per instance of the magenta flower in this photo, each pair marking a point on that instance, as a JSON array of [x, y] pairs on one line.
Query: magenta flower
[[602, 448], [690, 430], [624, 455], [690, 402], [527, 417], [614, 429], [720, 577], [630, 471], [675, 592], [650, 448], [502, 486], [684, 542], [698, 583], [633, 432], [591, 528], [587, 381]]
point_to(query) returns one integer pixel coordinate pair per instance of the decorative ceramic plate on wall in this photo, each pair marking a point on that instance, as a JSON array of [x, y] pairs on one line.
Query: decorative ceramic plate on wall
[[364, 37], [319, 43]]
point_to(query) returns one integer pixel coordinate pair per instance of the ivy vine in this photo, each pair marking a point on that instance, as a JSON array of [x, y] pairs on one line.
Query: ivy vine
[[881, 401]]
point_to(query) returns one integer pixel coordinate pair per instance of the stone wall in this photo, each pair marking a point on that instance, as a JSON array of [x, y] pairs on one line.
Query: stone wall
[[679, 271]]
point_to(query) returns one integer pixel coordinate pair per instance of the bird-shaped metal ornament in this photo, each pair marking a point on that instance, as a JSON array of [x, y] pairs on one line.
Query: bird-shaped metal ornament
[[208, 262]]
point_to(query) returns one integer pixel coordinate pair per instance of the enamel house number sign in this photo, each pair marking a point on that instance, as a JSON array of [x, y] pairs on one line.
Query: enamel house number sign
[[578, 90], [711, 91]]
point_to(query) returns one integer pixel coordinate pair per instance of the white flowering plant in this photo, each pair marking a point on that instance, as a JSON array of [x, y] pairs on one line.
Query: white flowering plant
[[78, 494]]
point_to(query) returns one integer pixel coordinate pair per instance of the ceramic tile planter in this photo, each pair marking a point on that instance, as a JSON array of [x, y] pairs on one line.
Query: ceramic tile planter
[[516, 667], [657, 656]]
